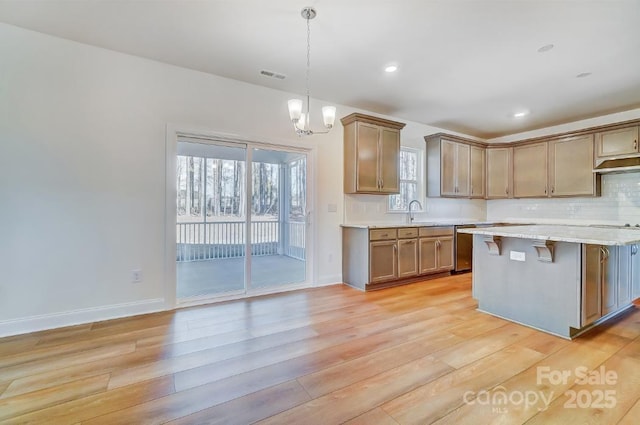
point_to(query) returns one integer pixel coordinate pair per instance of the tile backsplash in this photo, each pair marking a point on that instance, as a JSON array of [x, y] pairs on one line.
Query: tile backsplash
[[373, 209], [619, 204]]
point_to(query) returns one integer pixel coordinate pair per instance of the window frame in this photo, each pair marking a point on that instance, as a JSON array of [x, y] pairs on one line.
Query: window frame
[[419, 181]]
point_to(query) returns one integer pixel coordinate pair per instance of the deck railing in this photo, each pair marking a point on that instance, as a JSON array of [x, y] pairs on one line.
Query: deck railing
[[226, 239]]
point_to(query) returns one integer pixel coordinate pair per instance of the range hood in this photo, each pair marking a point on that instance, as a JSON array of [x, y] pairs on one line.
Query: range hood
[[618, 165]]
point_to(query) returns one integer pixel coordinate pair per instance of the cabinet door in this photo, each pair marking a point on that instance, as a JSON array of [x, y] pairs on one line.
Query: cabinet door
[[389, 160], [448, 168], [445, 253], [499, 173], [609, 280], [591, 280], [530, 170], [624, 275], [407, 257], [570, 167], [635, 272], [428, 252], [617, 142], [477, 172], [382, 261], [462, 165], [367, 158]]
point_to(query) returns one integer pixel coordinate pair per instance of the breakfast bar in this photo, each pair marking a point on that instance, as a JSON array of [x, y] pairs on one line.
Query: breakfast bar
[[559, 279]]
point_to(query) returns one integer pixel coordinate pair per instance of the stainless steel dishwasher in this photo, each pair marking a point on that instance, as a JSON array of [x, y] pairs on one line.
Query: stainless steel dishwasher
[[464, 249]]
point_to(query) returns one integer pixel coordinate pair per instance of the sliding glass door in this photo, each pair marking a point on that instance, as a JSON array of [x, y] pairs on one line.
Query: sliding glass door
[[240, 229]]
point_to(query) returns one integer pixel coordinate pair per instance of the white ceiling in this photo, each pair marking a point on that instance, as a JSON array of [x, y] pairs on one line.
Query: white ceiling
[[464, 66]]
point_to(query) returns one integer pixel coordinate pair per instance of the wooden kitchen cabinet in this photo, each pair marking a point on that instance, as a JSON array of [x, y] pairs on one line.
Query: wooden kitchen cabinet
[[635, 271], [609, 279], [383, 264], [571, 167], [617, 142], [591, 284], [477, 172], [407, 257], [371, 154], [499, 173], [381, 257], [436, 250], [455, 167], [530, 170]]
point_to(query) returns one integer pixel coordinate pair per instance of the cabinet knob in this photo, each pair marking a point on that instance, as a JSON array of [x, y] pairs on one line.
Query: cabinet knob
[[634, 249], [506, 191], [553, 189]]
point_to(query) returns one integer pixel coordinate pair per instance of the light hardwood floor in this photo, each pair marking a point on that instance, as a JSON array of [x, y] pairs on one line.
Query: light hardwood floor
[[415, 354]]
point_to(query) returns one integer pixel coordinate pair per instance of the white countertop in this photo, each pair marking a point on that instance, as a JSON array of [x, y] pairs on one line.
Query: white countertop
[[561, 233], [430, 223]]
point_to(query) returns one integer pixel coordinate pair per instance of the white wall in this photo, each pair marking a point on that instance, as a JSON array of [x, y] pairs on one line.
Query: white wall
[[82, 174]]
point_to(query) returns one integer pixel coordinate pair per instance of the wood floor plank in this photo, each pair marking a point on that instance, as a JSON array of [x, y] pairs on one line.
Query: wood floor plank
[[631, 417], [532, 383], [475, 348], [324, 355], [347, 373], [250, 408], [17, 345], [58, 362], [376, 416], [594, 410], [87, 407], [25, 403], [440, 397], [352, 401]]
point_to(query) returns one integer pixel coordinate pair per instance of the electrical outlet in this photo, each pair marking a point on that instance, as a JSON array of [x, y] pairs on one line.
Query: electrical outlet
[[136, 276]]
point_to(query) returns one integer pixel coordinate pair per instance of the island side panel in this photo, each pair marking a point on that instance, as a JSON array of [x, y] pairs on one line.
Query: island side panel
[[540, 294], [355, 257]]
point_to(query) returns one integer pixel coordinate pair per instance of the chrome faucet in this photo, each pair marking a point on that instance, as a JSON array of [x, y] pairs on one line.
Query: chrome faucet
[[410, 211]]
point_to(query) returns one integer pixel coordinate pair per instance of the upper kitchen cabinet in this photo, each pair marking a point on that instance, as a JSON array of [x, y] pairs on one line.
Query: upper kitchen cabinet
[[371, 154], [499, 173], [455, 167], [617, 142], [530, 170], [570, 167]]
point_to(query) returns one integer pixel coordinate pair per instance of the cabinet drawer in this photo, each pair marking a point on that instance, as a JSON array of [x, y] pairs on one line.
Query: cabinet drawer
[[408, 232], [436, 231], [382, 234]]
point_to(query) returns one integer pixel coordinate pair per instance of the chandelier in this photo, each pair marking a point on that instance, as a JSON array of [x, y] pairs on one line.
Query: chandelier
[[300, 119]]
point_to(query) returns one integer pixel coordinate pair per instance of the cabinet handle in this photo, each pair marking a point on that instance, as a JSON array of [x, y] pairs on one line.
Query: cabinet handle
[[381, 183], [545, 190], [635, 144], [553, 189], [605, 254], [634, 249], [395, 248], [386, 235]]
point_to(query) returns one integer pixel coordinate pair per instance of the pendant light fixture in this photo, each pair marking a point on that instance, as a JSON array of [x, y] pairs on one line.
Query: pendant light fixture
[[300, 119]]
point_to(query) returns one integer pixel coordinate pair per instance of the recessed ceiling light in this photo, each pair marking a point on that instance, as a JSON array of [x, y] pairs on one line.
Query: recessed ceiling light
[[391, 68], [520, 114], [545, 48], [583, 75]]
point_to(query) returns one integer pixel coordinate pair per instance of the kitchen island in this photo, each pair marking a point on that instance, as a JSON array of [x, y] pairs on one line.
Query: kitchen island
[[559, 279]]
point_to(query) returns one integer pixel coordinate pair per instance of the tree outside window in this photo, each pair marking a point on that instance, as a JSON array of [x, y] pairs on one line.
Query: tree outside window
[[408, 181]]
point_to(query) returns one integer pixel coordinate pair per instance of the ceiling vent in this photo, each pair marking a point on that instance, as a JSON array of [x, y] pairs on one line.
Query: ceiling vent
[[273, 74]]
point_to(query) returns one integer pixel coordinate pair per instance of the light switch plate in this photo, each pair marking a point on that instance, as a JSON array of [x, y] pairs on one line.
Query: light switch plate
[[517, 256]]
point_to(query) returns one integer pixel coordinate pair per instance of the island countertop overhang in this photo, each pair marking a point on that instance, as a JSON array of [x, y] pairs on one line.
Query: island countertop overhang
[[561, 233]]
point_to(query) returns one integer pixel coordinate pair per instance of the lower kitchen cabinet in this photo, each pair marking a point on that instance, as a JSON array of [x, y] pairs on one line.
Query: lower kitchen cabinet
[[383, 257], [383, 265], [635, 272], [609, 280], [407, 257]]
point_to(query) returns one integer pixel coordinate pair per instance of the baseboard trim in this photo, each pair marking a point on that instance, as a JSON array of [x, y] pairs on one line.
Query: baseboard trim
[[78, 317], [328, 280]]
